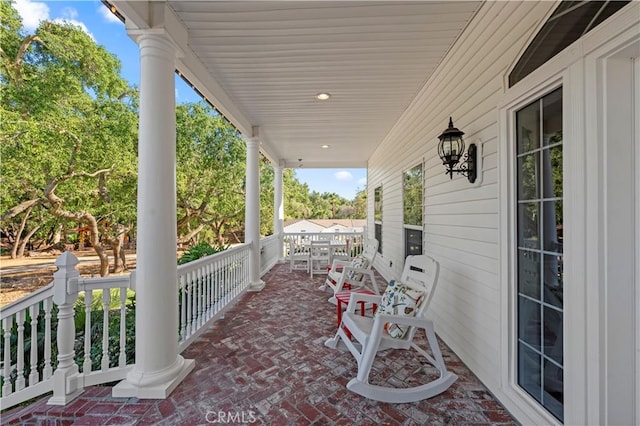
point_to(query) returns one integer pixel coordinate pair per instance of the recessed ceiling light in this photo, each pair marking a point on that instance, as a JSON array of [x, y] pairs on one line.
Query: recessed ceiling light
[[323, 96], [324, 146]]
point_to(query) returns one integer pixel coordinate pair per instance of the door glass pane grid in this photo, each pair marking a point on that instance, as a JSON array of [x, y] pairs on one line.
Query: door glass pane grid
[[539, 251]]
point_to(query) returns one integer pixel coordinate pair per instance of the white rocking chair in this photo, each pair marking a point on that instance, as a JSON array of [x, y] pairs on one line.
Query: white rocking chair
[[370, 336], [353, 272]]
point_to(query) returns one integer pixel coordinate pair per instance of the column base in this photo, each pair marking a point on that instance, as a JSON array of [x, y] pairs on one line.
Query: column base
[[257, 286], [128, 389]]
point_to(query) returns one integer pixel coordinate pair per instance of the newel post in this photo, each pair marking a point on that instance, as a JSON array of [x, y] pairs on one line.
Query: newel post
[[66, 384]]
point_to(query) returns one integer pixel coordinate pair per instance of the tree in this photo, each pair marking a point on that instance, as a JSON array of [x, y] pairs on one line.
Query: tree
[[210, 173], [267, 178], [68, 133], [360, 205], [297, 201]]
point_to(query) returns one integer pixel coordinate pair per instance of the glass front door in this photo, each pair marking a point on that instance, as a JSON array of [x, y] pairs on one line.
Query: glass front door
[[539, 251]]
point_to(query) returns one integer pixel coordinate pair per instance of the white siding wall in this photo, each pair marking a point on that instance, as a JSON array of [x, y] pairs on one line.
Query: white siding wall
[[461, 219]]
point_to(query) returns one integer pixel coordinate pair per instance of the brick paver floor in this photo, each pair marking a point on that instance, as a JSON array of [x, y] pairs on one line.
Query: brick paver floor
[[265, 363]]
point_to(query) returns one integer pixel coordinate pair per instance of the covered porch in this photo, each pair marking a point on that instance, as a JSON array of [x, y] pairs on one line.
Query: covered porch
[[266, 361], [373, 84]]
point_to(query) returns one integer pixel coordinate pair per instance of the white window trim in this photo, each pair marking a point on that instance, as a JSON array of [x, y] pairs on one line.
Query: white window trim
[[423, 218], [414, 227], [577, 69], [529, 406]]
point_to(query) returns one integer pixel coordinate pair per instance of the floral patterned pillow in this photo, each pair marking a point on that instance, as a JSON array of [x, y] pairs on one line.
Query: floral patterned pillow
[[358, 262], [401, 300]]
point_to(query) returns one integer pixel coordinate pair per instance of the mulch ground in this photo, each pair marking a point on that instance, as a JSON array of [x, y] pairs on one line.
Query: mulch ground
[[14, 285]]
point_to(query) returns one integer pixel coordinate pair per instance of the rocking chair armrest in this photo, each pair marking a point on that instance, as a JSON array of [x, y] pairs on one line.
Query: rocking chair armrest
[[338, 262], [356, 270], [367, 272], [354, 298]]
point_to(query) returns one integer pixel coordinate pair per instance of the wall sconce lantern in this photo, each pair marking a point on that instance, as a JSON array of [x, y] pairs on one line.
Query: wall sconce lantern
[[451, 150]]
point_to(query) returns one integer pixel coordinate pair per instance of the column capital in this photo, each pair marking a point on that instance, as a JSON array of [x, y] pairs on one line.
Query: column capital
[[161, 23], [251, 141], [157, 38]]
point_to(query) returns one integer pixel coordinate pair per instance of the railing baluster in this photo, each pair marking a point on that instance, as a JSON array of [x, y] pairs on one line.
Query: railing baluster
[[227, 282], [20, 382], [88, 300], [7, 325], [189, 301], [200, 282], [234, 271], [209, 292], [122, 358], [212, 283], [194, 302], [217, 285], [34, 311], [182, 294], [47, 371], [106, 301]]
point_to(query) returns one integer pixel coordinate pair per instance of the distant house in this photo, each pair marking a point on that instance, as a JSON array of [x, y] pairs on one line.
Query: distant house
[[324, 225]]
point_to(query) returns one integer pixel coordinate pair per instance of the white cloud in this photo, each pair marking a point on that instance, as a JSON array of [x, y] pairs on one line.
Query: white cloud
[[362, 181], [76, 23], [108, 16], [69, 13], [32, 12], [343, 175]]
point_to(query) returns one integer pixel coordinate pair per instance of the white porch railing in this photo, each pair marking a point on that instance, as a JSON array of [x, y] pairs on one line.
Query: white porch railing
[[354, 241], [208, 285], [80, 325], [270, 253], [33, 363]]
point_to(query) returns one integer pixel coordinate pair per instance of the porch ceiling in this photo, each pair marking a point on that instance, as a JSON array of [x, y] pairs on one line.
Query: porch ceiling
[[261, 63]]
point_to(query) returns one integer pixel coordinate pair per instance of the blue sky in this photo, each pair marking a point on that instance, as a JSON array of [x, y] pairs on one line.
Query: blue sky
[[96, 20]]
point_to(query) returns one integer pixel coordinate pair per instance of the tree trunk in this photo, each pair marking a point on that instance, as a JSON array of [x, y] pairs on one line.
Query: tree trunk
[[119, 257], [219, 230], [16, 253], [25, 241], [82, 216], [57, 234]]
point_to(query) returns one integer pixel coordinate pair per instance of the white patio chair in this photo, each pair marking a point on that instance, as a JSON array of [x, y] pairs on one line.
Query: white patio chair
[[353, 272], [298, 256], [319, 256], [373, 334]]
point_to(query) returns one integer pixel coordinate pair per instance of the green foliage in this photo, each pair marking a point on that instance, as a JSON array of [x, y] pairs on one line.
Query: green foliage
[[96, 329], [412, 196], [198, 251], [68, 142], [80, 318], [211, 162], [68, 132]]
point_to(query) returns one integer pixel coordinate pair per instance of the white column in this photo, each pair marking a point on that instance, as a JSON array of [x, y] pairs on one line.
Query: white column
[[252, 212], [158, 368], [278, 208]]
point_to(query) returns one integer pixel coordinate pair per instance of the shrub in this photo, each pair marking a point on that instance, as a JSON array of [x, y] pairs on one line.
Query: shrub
[[200, 250]]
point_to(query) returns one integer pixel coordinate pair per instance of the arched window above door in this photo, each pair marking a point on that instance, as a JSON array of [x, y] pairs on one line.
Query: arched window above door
[[570, 21]]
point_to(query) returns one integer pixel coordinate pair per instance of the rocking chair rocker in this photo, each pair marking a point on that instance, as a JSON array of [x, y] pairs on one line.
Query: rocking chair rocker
[[370, 335]]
